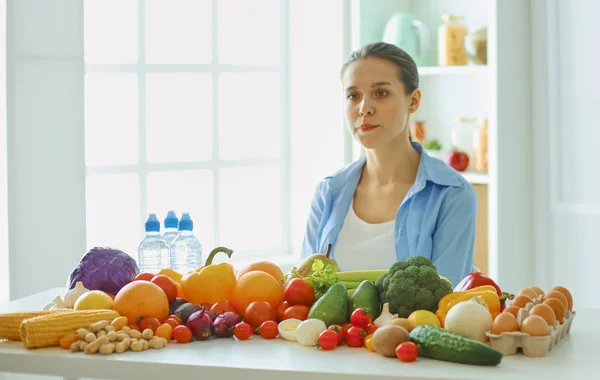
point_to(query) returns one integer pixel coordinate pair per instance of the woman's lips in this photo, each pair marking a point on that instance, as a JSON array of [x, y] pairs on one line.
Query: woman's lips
[[367, 127]]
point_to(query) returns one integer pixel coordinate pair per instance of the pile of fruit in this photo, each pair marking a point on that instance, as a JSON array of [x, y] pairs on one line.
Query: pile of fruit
[[405, 312]]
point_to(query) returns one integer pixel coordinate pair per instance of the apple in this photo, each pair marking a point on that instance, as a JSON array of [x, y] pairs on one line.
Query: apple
[[458, 160]]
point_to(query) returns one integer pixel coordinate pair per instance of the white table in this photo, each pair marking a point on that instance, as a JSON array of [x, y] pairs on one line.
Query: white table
[[575, 357]]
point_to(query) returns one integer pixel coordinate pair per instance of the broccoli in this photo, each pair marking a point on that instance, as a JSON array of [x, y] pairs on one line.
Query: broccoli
[[412, 285]]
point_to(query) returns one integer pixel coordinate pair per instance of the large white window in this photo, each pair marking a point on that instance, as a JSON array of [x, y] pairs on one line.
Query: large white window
[[204, 106]]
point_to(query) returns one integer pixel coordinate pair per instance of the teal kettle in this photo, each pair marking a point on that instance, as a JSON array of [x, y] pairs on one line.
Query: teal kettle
[[410, 34]]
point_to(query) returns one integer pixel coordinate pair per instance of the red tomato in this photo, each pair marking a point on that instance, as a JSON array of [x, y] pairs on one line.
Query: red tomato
[[371, 327], [360, 318], [299, 292], [407, 352], [355, 337], [268, 330], [281, 309], [144, 276], [339, 330], [182, 334], [242, 331], [258, 312], [176, 319], [149, 323], [172, 322], [298, 311], [328, 340]]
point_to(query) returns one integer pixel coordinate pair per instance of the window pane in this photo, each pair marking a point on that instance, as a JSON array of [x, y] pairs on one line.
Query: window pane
[[179, 117], [250, 208], [111, 119], [249, 31], [178, 31], [249, 115], [110, 31], [113, 212], [185, 191]]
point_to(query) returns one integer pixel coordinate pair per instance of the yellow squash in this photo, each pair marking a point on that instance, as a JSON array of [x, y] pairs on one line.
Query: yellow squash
[[487, 293], [212, 282]]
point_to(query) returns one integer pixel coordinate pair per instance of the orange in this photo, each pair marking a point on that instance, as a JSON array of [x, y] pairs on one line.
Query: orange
[[256, 286], [264, 266], [167, 285], [141, 299]]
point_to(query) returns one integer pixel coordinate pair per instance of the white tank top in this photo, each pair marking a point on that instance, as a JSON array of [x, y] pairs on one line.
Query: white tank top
[[361, 245]]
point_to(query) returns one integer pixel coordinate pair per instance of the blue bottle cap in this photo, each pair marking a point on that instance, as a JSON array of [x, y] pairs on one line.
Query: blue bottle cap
[[186, 223], [171, 220], [152, 223]]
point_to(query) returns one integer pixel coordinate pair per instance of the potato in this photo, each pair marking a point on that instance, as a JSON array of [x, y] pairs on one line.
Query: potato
[[402, 322], [387, 338]]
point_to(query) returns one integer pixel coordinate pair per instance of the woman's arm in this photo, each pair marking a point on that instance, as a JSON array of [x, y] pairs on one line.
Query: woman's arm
[[310, 242], [454, 238]]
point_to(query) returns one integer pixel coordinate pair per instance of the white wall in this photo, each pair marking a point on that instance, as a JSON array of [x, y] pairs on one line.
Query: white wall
[[46, 195], [3, 174]]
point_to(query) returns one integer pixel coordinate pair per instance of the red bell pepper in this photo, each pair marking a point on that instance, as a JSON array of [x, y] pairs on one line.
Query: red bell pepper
[[476, 279]]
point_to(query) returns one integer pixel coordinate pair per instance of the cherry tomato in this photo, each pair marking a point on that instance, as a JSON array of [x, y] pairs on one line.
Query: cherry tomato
[[268, 330], [370, 329], [258, 312], [221, 307], [339, 330], [164, 331], [149, 323], [172, 322], [242, 331], [281, 308], [182, 334], [328, 340], [298, 311], [346, 327], [355, 337], [144, 276], [407, 352], [369, 342], [176, 318], [360, 318]]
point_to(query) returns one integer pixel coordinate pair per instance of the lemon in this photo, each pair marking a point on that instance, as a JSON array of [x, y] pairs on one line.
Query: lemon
[[94, 300], [424, 317]]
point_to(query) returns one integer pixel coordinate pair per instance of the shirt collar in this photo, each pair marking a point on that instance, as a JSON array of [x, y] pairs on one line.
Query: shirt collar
[[430, 169]]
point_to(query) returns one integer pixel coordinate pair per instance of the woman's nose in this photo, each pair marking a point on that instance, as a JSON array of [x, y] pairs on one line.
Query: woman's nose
[[366, 109]]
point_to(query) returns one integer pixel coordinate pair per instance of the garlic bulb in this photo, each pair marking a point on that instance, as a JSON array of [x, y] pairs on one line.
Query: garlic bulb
[[385, 316], [73, 294], [56, 303]]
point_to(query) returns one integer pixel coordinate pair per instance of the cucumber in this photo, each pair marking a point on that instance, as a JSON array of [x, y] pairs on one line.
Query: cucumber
[[437, 343]]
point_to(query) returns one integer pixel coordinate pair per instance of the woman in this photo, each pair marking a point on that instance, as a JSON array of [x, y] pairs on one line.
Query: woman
[[395, 201]]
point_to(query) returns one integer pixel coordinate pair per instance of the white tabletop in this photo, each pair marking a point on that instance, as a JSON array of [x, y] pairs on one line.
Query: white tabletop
[[576, 357]]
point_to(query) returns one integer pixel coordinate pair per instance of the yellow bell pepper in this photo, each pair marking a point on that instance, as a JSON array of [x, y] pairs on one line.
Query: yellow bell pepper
[[213, 283], [487, 293], [172, 274]]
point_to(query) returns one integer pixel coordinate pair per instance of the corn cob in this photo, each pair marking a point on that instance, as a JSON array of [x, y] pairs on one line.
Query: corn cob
[[10, 323], [360, 275], [46, 330]]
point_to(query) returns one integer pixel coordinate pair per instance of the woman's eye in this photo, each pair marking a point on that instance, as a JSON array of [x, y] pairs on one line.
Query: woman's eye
[[351, 96], [382, 93]]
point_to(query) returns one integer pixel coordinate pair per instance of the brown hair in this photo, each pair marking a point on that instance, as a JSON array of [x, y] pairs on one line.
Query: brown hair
[[409, 74]]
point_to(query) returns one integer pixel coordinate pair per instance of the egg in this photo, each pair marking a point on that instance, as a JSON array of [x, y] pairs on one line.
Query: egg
[[566, 293], [528, 292], [535, 325], [546, 312], [521, 301], [537, 289], [512, 309], [504, 322], [557, 307], [558, 295]]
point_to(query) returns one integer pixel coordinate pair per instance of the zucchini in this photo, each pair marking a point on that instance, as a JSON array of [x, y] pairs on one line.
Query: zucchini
[[437, 343]]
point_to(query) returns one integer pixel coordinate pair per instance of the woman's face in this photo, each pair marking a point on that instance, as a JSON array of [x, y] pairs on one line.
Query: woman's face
[[376, 103]]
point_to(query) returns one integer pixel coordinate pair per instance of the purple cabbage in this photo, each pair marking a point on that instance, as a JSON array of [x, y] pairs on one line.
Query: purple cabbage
[[105, 269]]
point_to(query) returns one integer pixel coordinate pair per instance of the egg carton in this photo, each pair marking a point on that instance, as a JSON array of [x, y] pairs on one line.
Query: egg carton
[[508, 343]]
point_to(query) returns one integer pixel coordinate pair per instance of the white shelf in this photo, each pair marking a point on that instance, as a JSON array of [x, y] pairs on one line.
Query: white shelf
[[476, 178], [452, 70]]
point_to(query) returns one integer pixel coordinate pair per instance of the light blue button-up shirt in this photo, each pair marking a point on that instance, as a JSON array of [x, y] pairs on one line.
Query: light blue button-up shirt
[[436, 219]]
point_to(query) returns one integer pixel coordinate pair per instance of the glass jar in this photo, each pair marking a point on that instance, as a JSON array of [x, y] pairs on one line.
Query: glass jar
[[480, 146], [462, 134], [451, 41]]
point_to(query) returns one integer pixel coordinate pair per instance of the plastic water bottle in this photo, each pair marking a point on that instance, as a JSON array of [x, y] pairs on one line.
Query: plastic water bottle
[[185, 250], [153, 251], [171, 224]]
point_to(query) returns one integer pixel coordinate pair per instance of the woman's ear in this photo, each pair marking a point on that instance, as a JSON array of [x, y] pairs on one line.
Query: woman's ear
[[415, 100]]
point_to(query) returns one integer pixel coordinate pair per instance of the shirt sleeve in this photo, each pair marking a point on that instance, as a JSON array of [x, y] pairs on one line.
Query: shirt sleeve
[[454, 238], [315, 215]]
